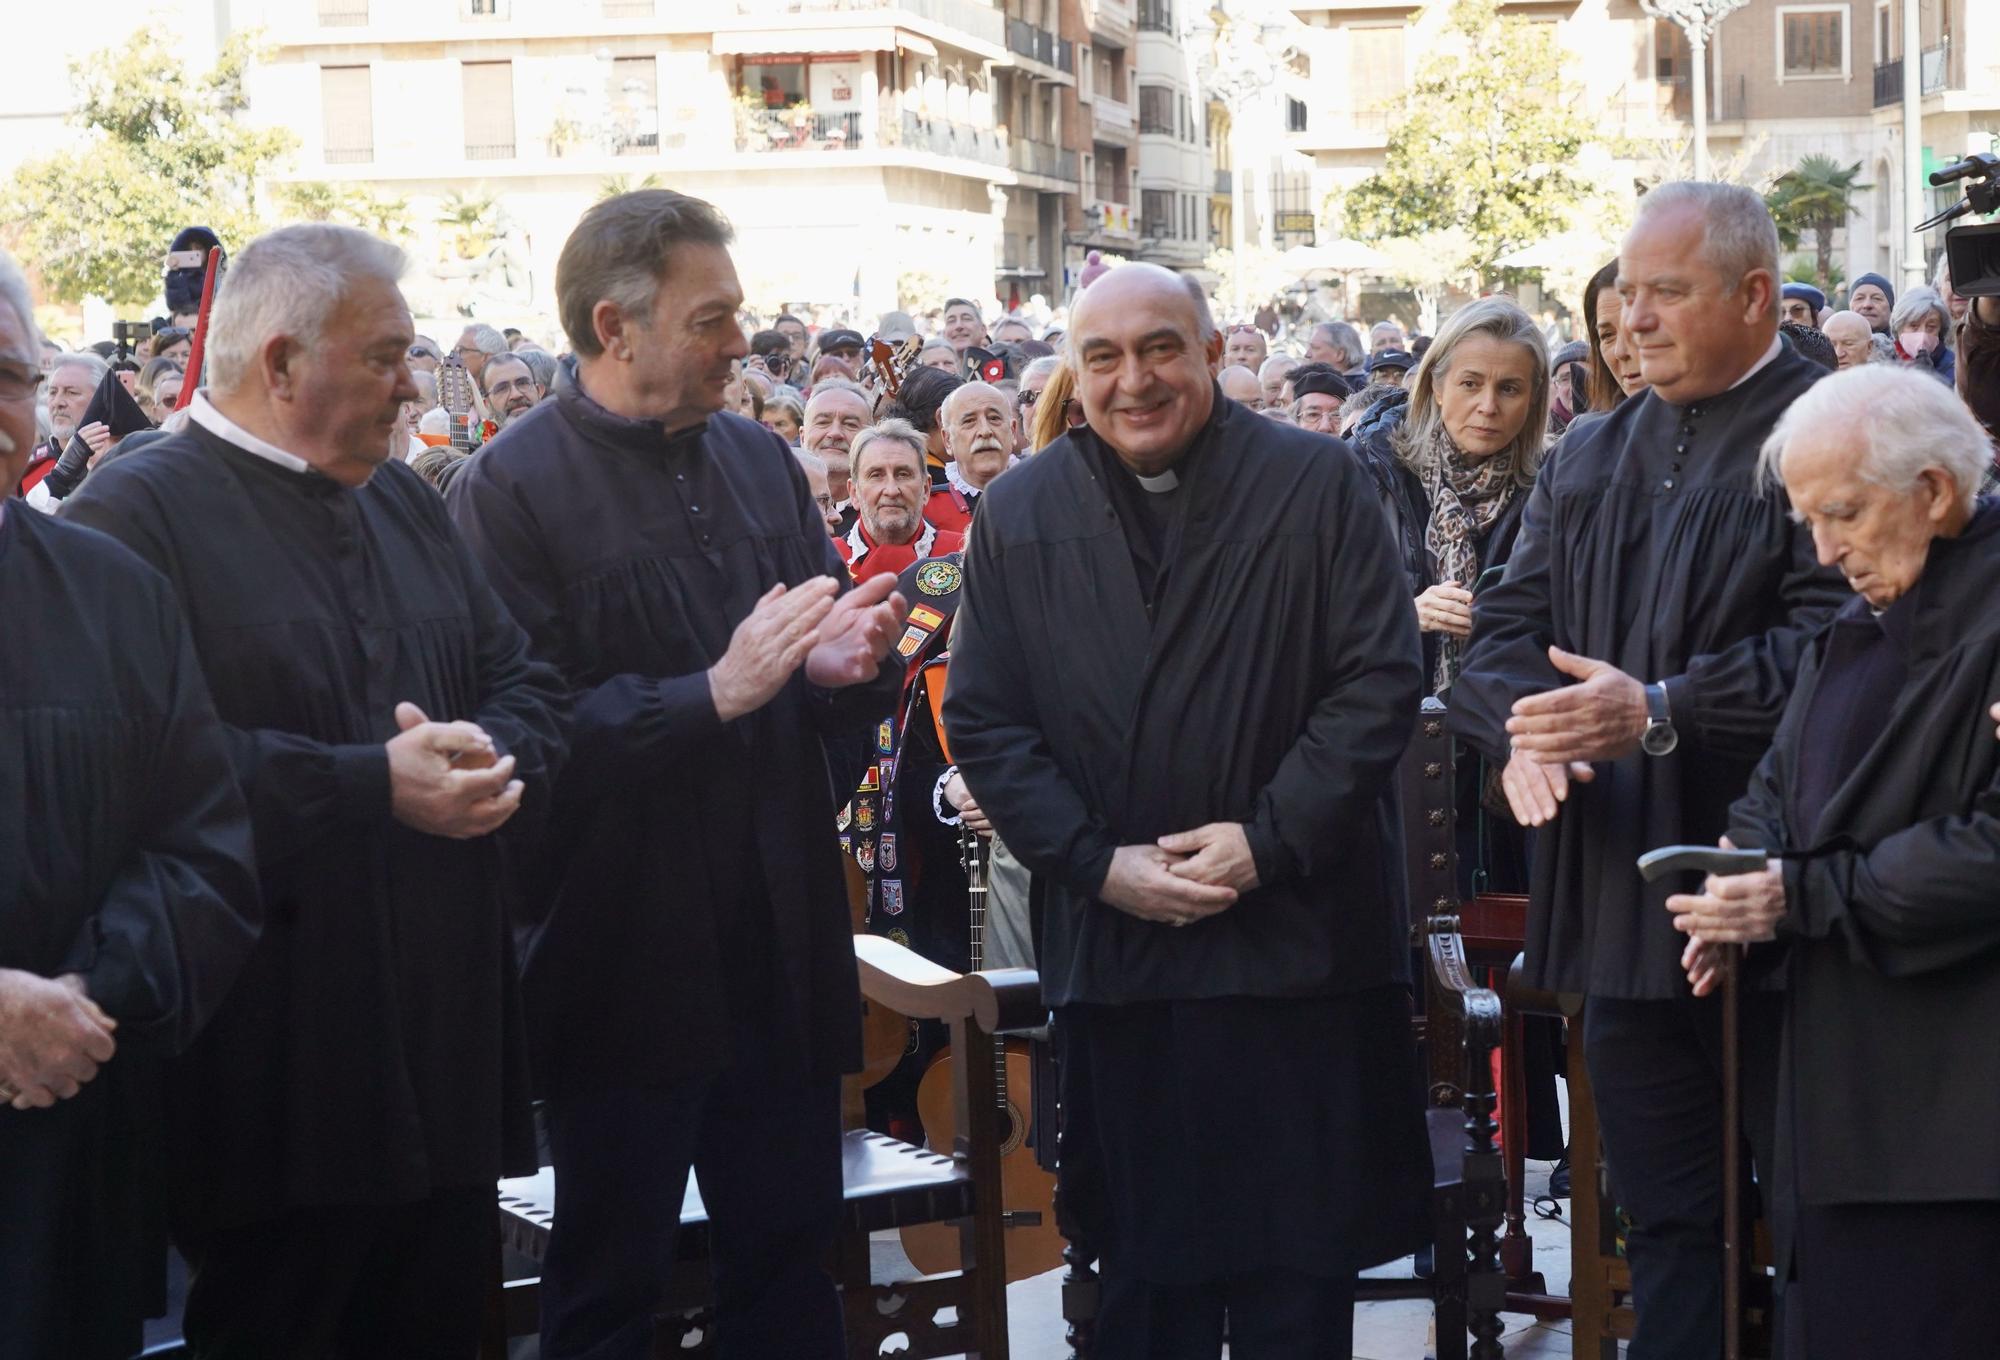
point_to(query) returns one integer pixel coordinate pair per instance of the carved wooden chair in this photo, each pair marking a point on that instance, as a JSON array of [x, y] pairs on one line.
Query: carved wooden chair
[[1461, 1029], [889, 1184]]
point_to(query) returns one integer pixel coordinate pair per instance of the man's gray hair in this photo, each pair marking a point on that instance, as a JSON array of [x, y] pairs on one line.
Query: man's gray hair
[[1914, 304], [1341, 334], [1738, 236], [811, 462], [83, 359], [1044, 367], [620, 252], [893, 430], [488, 338], [1278, 365], [542, 364], [1388, 327], [829, 388], [14, 292], [288, 282], [1911, 421]]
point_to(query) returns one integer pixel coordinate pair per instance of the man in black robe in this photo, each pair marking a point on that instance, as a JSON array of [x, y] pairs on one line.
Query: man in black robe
[[128, 900], [1629, 670], [1184, 669], [692, 991], [341, 1122], [1880, 804]]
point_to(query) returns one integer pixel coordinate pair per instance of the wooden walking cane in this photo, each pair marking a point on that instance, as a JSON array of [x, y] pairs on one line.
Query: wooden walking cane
[[1653, 866]]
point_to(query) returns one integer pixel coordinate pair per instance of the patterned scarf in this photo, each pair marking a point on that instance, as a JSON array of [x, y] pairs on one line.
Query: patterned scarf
[[1466, 498]]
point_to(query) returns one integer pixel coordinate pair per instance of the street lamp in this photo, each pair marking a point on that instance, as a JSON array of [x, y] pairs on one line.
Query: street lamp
[[1240, 48], [1697, 19]]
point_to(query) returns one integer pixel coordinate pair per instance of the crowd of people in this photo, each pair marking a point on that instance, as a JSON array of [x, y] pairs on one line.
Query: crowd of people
[[423, 766]]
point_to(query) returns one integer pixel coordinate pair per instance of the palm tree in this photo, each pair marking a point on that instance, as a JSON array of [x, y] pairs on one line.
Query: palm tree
[[1817, 196]]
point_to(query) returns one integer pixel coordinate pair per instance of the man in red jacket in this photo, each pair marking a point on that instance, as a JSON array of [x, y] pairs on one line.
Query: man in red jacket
[[890, 485], [979, 435]]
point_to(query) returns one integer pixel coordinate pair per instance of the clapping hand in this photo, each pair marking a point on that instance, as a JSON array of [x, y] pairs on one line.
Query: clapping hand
[[444, 779], [53, 1038], [856, 633], [1600, 718]]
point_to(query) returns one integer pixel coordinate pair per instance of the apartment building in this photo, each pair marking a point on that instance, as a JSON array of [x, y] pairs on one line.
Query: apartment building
[[1786, 78], [856, 144], [1175, 164]]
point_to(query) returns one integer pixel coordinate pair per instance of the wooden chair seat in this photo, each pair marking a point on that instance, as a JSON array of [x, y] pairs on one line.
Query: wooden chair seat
[[885, 1183]]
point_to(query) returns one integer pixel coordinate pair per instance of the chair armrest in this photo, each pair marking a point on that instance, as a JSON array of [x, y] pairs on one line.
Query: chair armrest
[[1475, 1007], [909, 984]]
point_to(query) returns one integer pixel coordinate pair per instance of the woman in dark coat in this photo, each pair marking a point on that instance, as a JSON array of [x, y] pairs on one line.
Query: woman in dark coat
[[1454, 473], [1879, 801]]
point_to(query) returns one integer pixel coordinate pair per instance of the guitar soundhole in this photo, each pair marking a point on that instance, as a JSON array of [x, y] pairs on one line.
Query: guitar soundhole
[[1017, 1130]]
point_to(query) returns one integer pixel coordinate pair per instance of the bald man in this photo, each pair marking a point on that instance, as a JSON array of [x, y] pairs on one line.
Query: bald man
[[1211, 812], [978, 425], [1240, 385], [1850, 334]]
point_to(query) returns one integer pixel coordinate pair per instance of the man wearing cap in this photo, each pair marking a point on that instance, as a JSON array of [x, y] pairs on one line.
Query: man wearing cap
[[1389, 366], [1873, 296], [842, 344], [1801, 302], [896, 327], [1317, 393]]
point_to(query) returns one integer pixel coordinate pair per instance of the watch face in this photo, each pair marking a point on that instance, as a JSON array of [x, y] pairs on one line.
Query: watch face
[[1659, 739]]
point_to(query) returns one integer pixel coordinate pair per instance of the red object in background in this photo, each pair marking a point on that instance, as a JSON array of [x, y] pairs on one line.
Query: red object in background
[[193, 379]]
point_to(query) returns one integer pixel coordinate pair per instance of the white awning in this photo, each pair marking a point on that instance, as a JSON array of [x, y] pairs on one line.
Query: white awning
[[782, 42]]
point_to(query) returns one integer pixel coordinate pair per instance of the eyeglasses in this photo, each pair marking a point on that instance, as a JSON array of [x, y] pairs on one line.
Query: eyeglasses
[[507, 386], [1025, 400], [19, 382], [468, 349]]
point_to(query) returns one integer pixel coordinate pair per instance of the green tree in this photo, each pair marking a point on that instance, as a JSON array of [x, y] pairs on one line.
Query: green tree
[[164, 149], [470, 219], [1484, 142], [611, 186], [351, 205], [1817, 196]]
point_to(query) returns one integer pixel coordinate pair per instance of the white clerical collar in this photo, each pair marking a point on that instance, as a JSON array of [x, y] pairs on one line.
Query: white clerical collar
[[1777, 348], [205, 414], [965, 487], [1160, 485]]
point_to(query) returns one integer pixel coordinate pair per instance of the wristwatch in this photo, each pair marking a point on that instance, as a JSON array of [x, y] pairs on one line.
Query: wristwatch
[[1659, 738]]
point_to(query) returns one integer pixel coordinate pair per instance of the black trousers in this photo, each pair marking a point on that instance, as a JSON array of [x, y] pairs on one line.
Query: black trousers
[[763, 1137], [1879, 1280], [1656, 1067], [1272, 1315], [353, 1281]]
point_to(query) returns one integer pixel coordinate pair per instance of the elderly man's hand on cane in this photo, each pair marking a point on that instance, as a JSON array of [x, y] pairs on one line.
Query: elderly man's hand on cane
[[1731, 909]]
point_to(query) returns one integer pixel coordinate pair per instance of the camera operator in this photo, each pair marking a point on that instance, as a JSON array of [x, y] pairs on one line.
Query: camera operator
[[1979, 361]]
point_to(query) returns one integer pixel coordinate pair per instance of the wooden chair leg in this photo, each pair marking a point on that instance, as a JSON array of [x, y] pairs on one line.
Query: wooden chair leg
[[1517, 1249], [1591, 1237], [1081, 1291], [1448, 1260]]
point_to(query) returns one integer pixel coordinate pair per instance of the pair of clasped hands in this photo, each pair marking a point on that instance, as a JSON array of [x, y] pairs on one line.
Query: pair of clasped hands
[[444, 779], [1554, 737]]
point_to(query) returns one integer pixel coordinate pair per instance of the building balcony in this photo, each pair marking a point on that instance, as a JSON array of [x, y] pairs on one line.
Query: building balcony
[[1040, 48], [1111, 115], [1225, 182], [983, 22], [1115, 21], [1934, 67], [1156, 16], [1105, 218], [488, 151], [952, 140], [1040, 158], [765, 130]]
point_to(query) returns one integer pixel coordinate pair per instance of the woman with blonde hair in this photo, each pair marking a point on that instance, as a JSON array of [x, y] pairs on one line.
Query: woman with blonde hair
[[1057, 411]]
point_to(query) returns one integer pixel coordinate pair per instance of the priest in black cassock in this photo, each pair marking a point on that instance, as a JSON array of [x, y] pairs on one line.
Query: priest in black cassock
[[128, 900], [1629, 670], [1184, 671], [341, 1122], [1881, 792], [692, 991]]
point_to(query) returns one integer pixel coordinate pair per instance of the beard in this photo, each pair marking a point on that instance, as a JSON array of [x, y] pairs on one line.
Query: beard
[[893, 524]]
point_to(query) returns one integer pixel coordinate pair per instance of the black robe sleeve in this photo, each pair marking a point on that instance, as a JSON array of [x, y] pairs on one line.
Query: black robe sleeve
[[998, 738], [1360, 725], [299, 790], [625, 724], [181, 913], [1730, 701]]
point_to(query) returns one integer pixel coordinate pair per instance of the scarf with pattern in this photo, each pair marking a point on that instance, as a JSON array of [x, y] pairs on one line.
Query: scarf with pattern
[[1466, 498]]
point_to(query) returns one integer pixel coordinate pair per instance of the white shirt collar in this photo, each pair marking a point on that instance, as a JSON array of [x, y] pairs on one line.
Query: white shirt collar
[[204, 413], [958, 480], [1777, 348]]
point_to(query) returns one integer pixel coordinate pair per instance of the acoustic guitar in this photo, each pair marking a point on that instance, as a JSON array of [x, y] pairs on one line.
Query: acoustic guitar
[[1027, 1193]]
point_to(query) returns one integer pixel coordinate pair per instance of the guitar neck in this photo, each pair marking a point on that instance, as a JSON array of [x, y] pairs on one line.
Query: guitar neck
[[975, 887]]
